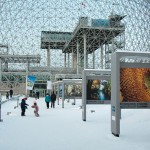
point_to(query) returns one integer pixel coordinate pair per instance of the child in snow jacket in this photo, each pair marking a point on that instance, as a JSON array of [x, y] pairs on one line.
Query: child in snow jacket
[[23, 106], [36, 109]]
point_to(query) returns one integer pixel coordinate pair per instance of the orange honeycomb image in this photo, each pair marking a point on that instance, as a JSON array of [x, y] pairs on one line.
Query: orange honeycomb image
[[135, 85]]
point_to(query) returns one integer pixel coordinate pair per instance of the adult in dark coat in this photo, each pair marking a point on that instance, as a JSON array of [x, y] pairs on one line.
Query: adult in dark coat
[[53, 99], [23, 106], [37, 94], [11, 93], [7, 95]]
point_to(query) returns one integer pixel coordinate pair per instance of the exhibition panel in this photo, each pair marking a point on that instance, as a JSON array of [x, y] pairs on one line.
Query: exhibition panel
[[96, 88], [130, 84]]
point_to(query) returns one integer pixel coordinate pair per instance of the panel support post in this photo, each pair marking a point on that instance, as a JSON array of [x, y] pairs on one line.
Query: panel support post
[[0, 69], [57, 93], [115, 95], [63, 94], [0, 107]]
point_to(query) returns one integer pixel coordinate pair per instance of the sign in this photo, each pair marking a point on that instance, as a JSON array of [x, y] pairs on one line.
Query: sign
[[30, 82], [49, 85], [113, 108]]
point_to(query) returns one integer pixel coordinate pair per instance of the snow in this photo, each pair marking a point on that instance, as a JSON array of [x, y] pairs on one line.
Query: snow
[[63, 129]]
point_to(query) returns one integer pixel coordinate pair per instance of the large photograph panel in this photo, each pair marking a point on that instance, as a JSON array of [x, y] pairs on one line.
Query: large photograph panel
[[56, 88], [98, 90], [135, 85], [60, 90], [73, 91]]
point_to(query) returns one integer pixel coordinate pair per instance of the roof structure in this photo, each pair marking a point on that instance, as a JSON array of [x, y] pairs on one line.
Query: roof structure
[[20, 58], [56, 40], [64, 23], [96, 36]]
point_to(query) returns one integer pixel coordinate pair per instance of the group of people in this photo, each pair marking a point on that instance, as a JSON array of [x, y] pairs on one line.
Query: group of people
[[51, 99], [48, 99], [24, 107], [10, 93]]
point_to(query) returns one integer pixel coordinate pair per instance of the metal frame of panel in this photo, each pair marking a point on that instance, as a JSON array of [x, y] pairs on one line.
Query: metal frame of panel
[[69, 82], [91, 74], [118, 60]]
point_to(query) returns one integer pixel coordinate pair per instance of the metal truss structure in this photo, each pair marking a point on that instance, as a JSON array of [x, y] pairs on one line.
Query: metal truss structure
[[94, 29]]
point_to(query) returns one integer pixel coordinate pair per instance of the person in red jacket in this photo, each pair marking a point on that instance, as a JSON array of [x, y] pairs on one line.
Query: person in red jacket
[[36, 109]]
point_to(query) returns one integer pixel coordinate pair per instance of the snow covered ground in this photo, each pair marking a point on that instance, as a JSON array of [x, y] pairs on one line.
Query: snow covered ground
[[63, 129]]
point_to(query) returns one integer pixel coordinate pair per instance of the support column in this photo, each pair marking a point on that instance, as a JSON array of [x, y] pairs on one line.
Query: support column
[[68, 59], [108, 56], [87, 61], [65, 60], [85, 58], [27, 73], [79, 60], [105, 56], [93, 59], [124, 40], [74, 60], [6, 66], [102, 56], [113, 45], [84, 96], [77, 57], [48, 56]]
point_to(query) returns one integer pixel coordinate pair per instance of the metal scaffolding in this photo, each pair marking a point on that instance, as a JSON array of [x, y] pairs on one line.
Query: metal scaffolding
[[88, 32]]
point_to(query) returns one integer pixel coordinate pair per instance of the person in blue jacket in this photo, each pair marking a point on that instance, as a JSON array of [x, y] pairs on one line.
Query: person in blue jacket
[[23, 106], [47, 100]]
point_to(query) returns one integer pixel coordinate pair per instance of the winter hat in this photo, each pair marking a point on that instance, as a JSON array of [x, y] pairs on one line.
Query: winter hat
[[25, 98]]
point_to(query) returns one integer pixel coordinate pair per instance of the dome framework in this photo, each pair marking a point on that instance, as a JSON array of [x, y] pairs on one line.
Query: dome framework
[[22, 23]]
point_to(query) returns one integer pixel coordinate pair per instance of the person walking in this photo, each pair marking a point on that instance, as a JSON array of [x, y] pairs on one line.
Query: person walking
[[11, 93], [23, 106], [37, 94], [7, 95], [53, 99], [47, 100]]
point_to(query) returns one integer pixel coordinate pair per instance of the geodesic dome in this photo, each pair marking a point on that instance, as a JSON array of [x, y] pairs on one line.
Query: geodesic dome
[[21, 22]]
